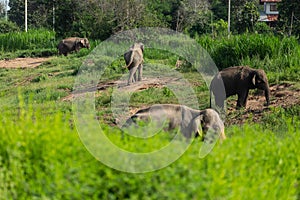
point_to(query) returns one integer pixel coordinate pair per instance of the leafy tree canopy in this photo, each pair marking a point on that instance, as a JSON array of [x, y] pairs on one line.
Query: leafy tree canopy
[[99, 19]]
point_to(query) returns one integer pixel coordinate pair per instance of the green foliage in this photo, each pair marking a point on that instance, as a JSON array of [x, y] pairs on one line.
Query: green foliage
[[278, 121], [153, 96], [28, 53], [100, 19], [33, 39], [246, 18], [262, 28], [289, 20], [7, 27], [269, 52], [41, 157], [219, 9], [219, 28]]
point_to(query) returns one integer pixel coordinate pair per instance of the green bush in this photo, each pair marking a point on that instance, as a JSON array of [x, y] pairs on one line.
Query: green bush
[[262, 28], [8, 27]]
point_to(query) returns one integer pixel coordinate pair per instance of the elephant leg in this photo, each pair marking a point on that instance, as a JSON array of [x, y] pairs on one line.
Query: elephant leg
[[242, 99], [245, 99], [140, 71], [219, 100], [132, 72], [134, 78]]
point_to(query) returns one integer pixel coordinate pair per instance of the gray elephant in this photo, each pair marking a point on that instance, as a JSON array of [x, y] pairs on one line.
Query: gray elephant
[[134, 61], [70, 44], [238, 80], [187, 119]]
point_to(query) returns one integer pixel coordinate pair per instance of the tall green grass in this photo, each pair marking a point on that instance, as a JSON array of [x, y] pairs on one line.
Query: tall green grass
[[33, 39], [41, 157], [269, 52]]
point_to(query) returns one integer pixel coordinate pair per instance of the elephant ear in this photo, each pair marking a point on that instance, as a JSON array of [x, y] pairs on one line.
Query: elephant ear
[[82, 41], [196, 125], [259, 77], [142, 47]]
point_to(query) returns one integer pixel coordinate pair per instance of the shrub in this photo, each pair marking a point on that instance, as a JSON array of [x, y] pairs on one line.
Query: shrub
[[8, 26], [262, 27]]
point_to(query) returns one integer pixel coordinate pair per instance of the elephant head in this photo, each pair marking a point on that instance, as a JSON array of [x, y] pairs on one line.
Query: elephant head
[[210, 122], [82, 43], [260, 81]]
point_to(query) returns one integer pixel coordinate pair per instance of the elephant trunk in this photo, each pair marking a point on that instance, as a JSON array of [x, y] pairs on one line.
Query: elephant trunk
[[267, 95]]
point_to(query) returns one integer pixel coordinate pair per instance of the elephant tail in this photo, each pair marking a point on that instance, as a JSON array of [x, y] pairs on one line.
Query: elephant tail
[[210, 94], [130, 60]]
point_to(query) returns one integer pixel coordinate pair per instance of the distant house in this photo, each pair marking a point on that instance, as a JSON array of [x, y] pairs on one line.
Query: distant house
[[270, 13]]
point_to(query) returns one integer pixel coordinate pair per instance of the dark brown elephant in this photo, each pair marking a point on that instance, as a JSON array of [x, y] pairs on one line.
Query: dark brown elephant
[[238, 80], [134, 61], [68, 45]]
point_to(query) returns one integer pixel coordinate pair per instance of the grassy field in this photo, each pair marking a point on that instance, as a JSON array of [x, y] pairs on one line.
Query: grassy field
[[42, 156], [44, 159]]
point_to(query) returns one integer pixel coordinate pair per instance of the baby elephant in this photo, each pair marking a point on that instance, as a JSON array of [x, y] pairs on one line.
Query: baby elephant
[[68, 45], [179, 116], [238, 80]]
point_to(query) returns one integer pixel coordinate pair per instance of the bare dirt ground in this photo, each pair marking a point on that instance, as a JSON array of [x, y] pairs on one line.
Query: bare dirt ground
[[22, 62], [282, 95], [146, 83]]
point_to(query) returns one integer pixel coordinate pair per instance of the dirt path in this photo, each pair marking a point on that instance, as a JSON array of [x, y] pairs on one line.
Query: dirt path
[[282, 95], [146, 83], [23, 62]]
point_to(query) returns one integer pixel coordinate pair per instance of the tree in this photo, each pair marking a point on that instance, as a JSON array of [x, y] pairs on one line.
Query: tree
[[192, 16], [159, 13], [246, 18], [39, 13], [127, 14], [2, 9], [68, 17], [219, 9], [16, 12], [289, 17]]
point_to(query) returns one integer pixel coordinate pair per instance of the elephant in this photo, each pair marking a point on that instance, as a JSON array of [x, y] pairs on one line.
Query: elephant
[[180, 116], [70, 44], [238, 80], [134, 61]]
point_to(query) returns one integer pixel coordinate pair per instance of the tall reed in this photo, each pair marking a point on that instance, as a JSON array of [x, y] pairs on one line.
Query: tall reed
[[226, 52], [33, 39]]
